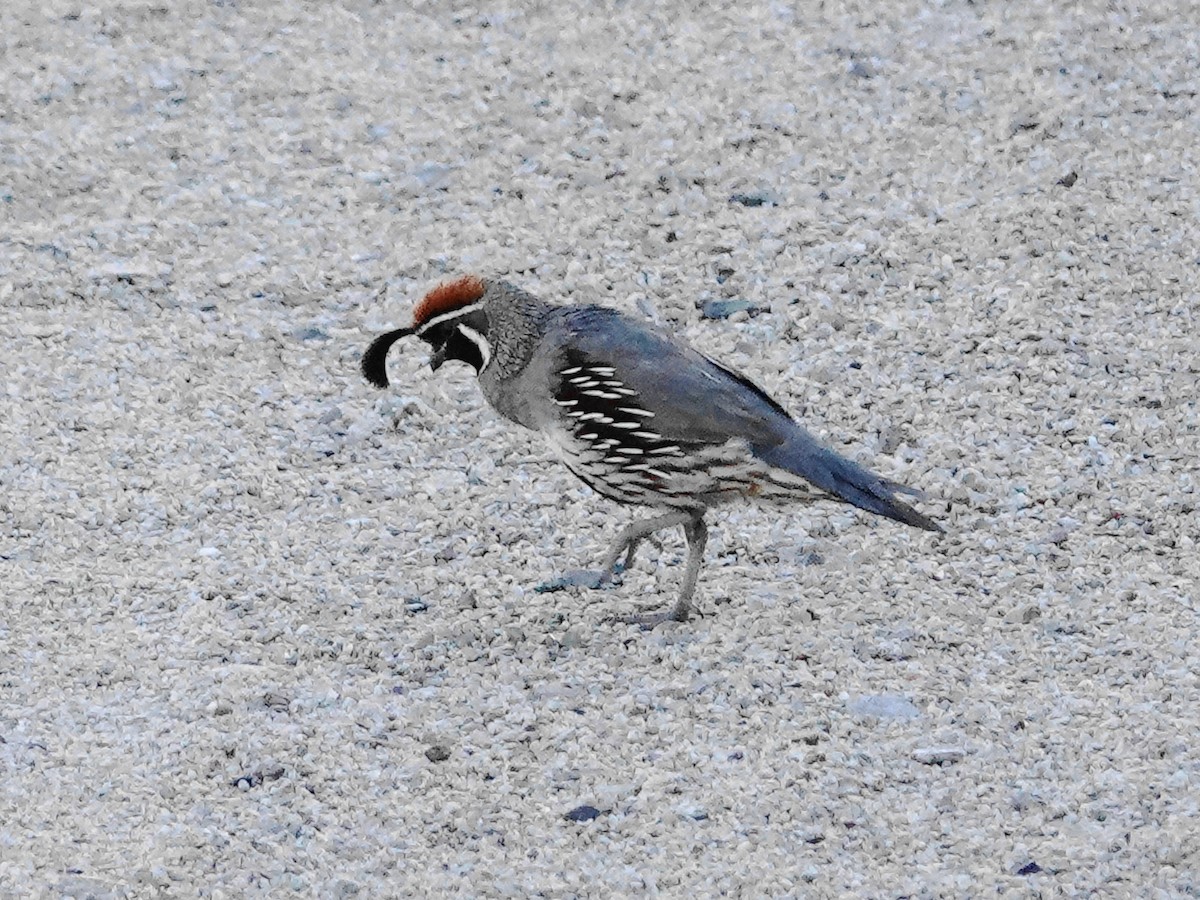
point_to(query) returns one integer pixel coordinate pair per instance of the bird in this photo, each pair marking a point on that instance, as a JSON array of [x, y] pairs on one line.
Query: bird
[[641, 417]]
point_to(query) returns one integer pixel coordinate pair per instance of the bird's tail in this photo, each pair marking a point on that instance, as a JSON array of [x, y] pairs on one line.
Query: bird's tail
[[803, 455]]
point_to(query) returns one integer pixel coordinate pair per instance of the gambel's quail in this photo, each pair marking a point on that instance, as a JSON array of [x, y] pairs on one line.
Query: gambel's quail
[[639, 416]]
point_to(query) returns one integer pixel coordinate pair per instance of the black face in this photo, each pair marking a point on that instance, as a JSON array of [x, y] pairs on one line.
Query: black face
[[449, 342], [462, 338]]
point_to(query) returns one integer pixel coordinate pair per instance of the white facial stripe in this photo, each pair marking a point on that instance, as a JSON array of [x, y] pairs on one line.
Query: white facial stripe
[[447, 316], [479, 341]]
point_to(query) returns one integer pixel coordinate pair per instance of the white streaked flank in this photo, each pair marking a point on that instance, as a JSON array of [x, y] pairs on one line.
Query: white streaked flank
[[603, 395]]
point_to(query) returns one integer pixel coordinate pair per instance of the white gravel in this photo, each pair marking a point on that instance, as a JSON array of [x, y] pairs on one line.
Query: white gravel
[[265, 630]]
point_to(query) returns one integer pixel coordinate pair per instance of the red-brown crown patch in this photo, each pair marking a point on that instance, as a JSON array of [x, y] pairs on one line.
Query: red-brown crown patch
[[448, 297]]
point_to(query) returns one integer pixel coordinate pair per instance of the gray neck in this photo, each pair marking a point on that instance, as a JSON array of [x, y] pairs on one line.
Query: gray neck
[[516, 322]]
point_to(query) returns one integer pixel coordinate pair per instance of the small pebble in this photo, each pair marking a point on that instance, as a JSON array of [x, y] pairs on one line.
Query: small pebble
[[723, 309], [883, 706], [933, 756], [582, 814]]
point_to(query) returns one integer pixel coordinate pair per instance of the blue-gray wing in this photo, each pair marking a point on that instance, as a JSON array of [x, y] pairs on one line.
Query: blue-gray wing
[[634, 393], [693, 400]]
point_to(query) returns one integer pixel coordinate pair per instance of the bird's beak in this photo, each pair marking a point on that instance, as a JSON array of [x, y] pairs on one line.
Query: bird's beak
[[439, 357]]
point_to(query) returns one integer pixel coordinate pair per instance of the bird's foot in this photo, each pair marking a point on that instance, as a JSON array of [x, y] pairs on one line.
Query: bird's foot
[[581, 578], [646, 621], [607, 577]]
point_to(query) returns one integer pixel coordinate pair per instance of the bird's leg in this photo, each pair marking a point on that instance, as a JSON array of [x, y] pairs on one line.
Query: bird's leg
[[631, 536], [627, 543], [697, 537]]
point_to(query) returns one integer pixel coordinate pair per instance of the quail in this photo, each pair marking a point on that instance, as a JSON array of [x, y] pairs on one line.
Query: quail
[[639, 416]]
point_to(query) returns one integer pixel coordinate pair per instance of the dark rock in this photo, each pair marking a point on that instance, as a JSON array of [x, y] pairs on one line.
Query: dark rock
[[755, 198], [723, 309], [583, 813]]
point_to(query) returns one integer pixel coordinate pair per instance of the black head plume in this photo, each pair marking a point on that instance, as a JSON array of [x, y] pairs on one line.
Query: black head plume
[[374, 361]]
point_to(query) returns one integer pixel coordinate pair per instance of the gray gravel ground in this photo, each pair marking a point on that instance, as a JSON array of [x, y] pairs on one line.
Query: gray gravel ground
[[267, 630]]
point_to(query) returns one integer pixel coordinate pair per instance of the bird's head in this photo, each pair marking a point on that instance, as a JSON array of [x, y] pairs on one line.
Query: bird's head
[[452, 318]]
